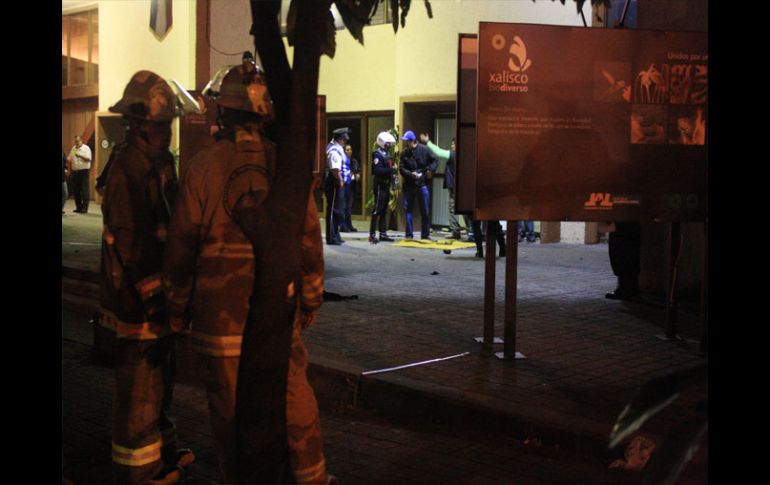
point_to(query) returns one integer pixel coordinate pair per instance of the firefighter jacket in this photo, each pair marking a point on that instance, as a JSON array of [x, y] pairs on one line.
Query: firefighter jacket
[[209, 263], [136, 210]]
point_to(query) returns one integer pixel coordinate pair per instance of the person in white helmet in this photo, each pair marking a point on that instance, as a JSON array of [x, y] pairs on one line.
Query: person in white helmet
[[383, 170]]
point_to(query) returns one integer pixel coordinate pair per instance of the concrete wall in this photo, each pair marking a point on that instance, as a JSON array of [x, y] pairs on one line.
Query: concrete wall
[[127, 44], [228, 33], [421, 59], [573, 232]]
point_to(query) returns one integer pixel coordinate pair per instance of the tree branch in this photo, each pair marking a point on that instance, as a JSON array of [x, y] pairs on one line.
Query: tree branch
[[267, 40]]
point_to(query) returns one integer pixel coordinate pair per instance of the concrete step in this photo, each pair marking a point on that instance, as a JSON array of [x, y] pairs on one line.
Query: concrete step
[[400, 399], [340, 386], [83, 305], [81, 288], [72, 272]]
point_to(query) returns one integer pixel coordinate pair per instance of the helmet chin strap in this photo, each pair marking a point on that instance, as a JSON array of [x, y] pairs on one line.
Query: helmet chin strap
[[156, 135]]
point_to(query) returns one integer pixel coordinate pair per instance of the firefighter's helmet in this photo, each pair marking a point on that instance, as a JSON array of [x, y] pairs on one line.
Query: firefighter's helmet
[[385, 137], [147, 97], [241, 87]]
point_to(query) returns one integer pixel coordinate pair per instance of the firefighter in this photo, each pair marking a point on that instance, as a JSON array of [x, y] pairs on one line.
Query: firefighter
[[209, 269], [136, 210]]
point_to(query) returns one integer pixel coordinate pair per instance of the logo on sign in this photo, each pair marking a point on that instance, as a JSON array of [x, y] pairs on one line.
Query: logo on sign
[[518, 62], [598, 201], [512, 79]]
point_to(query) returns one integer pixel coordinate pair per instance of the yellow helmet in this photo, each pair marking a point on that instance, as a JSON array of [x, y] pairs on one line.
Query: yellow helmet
[[148, 97], [241, 87]]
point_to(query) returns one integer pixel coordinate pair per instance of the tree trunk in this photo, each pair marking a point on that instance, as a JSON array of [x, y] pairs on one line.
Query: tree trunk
[[275, 230]]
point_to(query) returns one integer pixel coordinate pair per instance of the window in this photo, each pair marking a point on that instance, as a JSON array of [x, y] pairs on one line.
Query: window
[[383, 15], [80, 49]]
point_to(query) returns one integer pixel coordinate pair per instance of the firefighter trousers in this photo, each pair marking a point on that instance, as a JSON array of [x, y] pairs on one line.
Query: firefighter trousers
[[303, 425], [143, 436]]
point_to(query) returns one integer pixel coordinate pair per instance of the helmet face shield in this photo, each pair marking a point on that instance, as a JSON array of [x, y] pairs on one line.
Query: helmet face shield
[[214, 86], [185, 101], [242, 88]]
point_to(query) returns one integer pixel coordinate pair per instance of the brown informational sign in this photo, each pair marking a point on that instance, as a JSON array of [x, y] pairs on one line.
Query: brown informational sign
[[591, 124], [465, 163]]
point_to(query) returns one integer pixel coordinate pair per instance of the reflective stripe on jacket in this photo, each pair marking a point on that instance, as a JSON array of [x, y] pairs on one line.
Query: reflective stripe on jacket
[[209, 262], [135, 214]]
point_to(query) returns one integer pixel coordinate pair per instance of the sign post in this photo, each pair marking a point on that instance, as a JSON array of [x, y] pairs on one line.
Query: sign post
[[575, 124]]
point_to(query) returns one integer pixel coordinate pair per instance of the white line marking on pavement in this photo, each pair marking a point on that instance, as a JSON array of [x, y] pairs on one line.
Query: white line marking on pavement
[[81, 243], [369, 372]]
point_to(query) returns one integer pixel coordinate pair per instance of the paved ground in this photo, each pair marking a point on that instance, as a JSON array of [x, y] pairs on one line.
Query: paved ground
[[360, 448], [586, 356]]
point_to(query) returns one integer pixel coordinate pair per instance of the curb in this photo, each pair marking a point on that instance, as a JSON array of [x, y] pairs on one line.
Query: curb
[[338, 385]]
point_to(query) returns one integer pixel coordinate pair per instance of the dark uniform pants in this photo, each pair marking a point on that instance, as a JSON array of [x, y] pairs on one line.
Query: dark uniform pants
[[143, 436], [381, 199], [334, 209], [478, 234]]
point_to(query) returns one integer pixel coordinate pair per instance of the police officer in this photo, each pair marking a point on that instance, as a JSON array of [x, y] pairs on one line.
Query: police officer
[[334, 186], [383, 170], [417, 167], [136, 209], [209, 269]]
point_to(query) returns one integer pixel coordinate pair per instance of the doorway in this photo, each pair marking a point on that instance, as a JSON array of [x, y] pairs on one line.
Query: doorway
[[110, 131], [364, 129], [436, 117]]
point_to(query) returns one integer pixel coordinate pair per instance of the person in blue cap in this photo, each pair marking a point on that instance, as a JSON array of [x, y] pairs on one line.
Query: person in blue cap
[[417, 167]]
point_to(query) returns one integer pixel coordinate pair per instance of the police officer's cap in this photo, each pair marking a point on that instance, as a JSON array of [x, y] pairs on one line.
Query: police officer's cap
[[343, 133]]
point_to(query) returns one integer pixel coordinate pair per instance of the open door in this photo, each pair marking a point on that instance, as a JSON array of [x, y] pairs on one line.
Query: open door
[[109, 131]]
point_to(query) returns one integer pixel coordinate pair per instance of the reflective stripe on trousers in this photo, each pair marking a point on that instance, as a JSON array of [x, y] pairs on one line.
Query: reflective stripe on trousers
[[217, 345], [143, 436], [133, 331], [305, 441]]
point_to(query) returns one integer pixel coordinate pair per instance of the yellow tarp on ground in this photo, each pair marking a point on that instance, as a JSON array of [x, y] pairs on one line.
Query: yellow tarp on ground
[[447, 244]]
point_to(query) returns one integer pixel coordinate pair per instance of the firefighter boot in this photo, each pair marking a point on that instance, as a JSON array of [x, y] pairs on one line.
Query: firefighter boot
[[185, 457], [167, 475]]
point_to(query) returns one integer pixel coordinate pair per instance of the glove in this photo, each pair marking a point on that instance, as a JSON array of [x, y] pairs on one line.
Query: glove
[[307, 319], [179, 324]]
